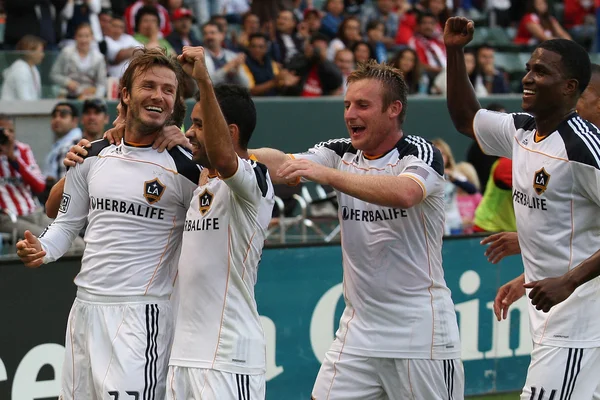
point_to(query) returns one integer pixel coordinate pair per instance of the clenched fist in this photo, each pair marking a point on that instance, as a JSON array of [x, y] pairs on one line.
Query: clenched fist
[[193, 63], [458, 32]]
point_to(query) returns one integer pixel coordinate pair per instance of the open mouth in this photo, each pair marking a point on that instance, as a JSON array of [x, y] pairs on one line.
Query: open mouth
[[528, 92], [357, 129], [154, 109]]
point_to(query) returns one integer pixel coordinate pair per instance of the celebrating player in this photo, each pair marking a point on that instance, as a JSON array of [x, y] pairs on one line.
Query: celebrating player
[[398, 336], [219, 346], [120, 328], [556, 191]]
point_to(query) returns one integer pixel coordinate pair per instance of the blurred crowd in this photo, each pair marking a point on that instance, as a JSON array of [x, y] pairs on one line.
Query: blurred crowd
[[273, 47]]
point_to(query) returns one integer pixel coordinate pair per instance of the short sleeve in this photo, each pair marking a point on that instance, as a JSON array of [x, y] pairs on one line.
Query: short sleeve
[[587, 181], [250, 181], [419, 171], [495, 131], [328, 154]]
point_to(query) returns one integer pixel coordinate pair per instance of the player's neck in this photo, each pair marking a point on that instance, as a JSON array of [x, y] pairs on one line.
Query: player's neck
[[136, 134], [546, 124], [387, 144]]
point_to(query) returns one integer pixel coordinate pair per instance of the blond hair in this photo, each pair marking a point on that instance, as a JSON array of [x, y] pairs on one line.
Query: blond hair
[[468, 170], [392, 81], [447, 151]]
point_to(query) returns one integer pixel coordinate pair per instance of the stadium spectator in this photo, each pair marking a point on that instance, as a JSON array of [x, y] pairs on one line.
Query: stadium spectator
[[494, 79], [94, 117], [224, 65], [163, 17], [407, 61], [22, 79], [334, 15], [312, 21], [344, 60], [104, 19], [182, 34], [65, 118], [229, 38], [354, 7], [496, 212], [439, 83], [318, 75], [233, 10], [20, 180], [538, 25], [265, 76], [120, 47], [148, 30], [77, 12], [33, 17], [250, 25], [362, 52], [287, 41], [407, 21], [348, 34], [375, 35], [580, 21], [468, 202], [429, 47], [454, 181], [382, 10], [80, 70], [440, 10]]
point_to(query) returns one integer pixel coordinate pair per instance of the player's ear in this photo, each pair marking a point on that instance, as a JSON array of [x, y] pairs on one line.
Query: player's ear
[[234, 131], [571, 87], [125, 95], [395, 109]]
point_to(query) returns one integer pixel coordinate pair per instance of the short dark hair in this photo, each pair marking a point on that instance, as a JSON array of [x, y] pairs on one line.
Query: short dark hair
[[258, 35], [146, 10], [211, 23], [425, 14], [319, 36], [6, 117], [238, 109], [575, 60], [74, 109], [373, 24]]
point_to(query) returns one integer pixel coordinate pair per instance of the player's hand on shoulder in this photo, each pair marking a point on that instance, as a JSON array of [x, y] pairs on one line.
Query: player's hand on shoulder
[[508, 294], [76, 153], [294, 169], [458, 32], [548, 292], [501, 245], [193, 62], [114, 135], [169, 137], [29, 250]]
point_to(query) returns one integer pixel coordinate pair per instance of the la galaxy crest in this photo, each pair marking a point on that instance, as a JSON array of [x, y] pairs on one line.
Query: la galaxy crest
[[540, 181], [153, 190], [205, 200]]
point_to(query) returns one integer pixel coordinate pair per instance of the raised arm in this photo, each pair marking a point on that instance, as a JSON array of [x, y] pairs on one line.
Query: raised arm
[[54, 198], [461, 99]]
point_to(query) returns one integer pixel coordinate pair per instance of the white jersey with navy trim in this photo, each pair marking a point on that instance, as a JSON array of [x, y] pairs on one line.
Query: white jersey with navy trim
[[218, 325], [556, 196], [397, 301], [135, 200]]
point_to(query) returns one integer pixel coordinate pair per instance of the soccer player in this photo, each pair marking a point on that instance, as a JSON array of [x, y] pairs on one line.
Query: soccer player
[[556, 193], [506, 243], [120, 328], [219, 346], [398, 336]]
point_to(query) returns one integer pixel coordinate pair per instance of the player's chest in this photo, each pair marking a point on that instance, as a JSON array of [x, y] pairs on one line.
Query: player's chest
[[540, 181], [208, 211]]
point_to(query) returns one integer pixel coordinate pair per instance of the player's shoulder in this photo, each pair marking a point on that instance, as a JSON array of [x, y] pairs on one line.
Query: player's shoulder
[[339, 146], [184, 164], [262, 175], [582, 140], [523, 121], [423, 149], [96, 147]]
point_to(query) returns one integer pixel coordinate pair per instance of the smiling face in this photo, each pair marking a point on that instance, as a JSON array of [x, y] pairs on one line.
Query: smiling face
[[544, 83], [369, 125], [152, 98]]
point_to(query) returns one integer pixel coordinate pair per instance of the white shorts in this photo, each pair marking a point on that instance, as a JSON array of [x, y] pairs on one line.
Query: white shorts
[[117, 350], [350, 377], [561, 373], [208, 384]]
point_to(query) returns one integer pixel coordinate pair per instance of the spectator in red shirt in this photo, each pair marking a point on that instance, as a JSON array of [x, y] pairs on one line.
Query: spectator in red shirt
[[20, 180], [407, 21], [580, 21], [538, 25], [164, 21], [429, 47]]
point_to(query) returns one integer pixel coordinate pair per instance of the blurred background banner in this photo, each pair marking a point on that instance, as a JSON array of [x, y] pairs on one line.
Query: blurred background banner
[[299, 296]]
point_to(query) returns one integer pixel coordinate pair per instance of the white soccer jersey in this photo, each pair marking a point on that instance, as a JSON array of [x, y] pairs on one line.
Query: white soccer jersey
[[218, 325], [135, 200], [397, 301], [556, 196]]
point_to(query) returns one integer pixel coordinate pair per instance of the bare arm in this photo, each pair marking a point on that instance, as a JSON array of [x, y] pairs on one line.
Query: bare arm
[[461, 99], [559, 31], [217, 137], [273, 159], [54, 198]]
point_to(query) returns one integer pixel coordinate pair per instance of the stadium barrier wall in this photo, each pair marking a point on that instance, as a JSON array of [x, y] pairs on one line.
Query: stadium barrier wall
[[288, 124], [299, 294]]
